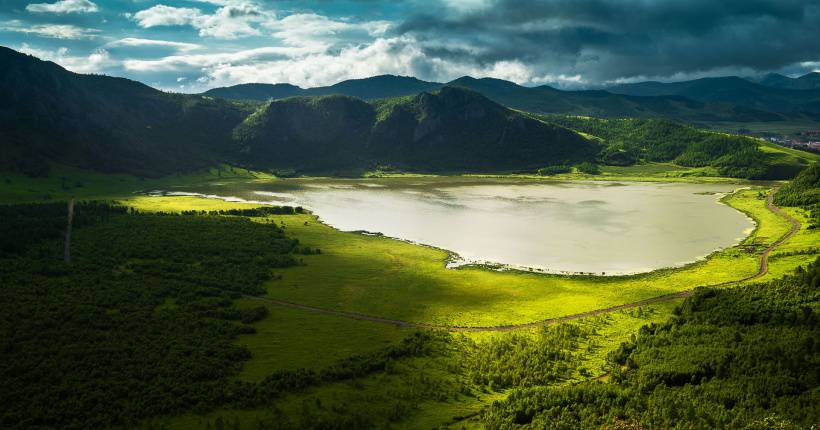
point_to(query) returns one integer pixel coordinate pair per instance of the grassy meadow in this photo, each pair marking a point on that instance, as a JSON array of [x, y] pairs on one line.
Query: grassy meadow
[[393, 279]]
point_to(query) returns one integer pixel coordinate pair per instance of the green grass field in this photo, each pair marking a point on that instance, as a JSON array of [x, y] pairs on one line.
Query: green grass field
[[394, 279], [291, 339]]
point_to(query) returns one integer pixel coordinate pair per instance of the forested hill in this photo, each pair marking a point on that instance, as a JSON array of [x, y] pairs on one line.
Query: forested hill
[[804, 190], [452, 129], [631, 140], [111, 124]]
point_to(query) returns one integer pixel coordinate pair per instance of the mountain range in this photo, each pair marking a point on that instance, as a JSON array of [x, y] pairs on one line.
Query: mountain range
[[51, 115], [735, 90], [808, 81], [48, 114], [709, 99]]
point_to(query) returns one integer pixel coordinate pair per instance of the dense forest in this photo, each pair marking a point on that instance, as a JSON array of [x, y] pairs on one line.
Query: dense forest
[[139, 323], [746, 357], [632, 140]]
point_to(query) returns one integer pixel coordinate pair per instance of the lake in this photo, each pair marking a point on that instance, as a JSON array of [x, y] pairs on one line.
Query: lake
[[553, 226]]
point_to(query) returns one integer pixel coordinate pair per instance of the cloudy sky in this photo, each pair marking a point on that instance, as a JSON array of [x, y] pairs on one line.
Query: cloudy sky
[[192, 45]]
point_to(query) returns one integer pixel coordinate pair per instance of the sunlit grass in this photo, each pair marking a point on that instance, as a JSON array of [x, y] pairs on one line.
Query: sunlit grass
[[800, 250], [394, 279], [291, 339]]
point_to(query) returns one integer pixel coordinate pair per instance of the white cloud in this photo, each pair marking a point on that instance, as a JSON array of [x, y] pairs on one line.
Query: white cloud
[[54, 31], [562, 80], [233, 20], [316, 69], [687, 76], [399, 56], [466, 6], [309, 28], [161, 14], [319, 64], [96, 62], [64, 6], [132, 41], [195, 62]]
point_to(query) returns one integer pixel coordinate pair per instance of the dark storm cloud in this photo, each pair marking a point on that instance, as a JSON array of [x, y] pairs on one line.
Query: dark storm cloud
[[609, 39]]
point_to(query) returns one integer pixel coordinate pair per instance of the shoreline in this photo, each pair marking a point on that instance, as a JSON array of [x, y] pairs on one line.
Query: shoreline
[[453, 259]]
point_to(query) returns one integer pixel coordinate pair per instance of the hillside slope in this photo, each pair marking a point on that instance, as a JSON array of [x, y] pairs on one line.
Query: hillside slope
[[453, 129], [110, 124], [633, 140]]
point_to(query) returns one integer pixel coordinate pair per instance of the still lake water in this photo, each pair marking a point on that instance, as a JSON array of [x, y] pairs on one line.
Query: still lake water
[[599, 227]]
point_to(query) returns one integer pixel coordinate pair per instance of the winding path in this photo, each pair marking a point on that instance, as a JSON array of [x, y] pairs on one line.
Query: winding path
[[762, 270]]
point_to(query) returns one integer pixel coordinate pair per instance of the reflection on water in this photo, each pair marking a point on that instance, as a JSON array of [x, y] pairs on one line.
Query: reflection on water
[[596, 227]]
